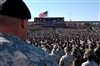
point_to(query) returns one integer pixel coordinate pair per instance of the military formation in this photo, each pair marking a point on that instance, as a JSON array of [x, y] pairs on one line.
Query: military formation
[[74, 49], [77, 48]]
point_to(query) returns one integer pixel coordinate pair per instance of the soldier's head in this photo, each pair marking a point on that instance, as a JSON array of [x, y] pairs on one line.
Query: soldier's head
[[14, 16], [90, 57], [67, 50]]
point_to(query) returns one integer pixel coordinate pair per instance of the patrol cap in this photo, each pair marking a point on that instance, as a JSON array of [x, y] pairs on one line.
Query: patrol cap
[[14, 8]]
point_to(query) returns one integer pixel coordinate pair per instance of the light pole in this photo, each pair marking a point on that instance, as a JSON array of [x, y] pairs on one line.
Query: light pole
[[70, 13]]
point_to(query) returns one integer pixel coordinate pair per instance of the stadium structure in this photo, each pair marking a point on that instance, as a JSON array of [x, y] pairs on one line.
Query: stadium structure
[[59, 22]]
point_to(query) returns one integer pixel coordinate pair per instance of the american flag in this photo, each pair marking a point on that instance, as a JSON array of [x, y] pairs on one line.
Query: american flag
[[43, 14]]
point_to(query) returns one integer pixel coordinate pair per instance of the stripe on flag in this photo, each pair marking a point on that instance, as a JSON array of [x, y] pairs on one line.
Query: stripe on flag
[[43, 14]]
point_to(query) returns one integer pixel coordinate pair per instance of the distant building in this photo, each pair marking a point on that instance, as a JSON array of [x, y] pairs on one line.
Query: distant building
[[56, 22]]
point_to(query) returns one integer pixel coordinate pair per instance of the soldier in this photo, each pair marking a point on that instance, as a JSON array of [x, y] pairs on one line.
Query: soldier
[[89, 61], [67, 59], [55, 56], [14, 16], [60, 50], [77, 54], [97, 51], [87, 52]]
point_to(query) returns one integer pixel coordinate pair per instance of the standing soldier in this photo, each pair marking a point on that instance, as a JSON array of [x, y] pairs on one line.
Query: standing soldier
[[67, 59], [14, 16], [89, 61], [97, 51]]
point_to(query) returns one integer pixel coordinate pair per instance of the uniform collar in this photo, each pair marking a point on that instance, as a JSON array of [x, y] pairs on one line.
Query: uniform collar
[[8, 36]]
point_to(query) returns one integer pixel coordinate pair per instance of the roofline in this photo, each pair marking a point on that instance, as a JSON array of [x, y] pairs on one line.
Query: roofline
[[74, 21]]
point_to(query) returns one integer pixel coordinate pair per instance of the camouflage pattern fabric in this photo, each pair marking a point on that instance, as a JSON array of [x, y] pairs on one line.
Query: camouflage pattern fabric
[[15, 52], [89, 63]]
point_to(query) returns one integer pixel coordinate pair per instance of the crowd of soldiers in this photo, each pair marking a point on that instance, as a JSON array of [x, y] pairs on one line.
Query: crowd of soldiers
[[74, 48]]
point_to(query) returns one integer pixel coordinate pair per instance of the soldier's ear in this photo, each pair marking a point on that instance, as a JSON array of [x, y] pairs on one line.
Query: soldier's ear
[[24, 23]]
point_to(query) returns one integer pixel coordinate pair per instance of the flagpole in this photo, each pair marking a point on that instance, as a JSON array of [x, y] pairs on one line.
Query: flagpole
[[48, 14]]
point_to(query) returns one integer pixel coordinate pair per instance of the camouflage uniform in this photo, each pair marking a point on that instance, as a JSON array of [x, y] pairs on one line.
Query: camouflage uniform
[[66, 60], [60, 52], [89, 63], [55, 56], [14, 52], [97, 51]]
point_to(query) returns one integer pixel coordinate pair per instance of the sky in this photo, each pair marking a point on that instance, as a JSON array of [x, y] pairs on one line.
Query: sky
[[76, 10]]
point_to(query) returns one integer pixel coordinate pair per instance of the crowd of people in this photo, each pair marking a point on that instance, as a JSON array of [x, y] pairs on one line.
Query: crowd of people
[[69, 47], [48, 47]]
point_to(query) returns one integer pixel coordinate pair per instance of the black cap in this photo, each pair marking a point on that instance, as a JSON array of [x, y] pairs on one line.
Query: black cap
[[15, 8]]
